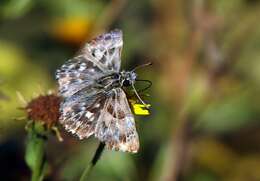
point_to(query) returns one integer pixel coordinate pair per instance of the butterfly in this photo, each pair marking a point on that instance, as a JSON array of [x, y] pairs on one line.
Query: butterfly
[[95, 103]]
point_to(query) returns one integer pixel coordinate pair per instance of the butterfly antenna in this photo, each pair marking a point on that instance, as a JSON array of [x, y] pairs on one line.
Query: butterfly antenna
[[141, 66], [139, 97]]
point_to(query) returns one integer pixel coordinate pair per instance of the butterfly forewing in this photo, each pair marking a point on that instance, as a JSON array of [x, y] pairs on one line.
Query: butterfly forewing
[[77, 74], [98, 58], [105, 50]]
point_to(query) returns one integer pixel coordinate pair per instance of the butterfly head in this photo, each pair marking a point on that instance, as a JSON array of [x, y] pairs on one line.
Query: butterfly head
[[127, 78]]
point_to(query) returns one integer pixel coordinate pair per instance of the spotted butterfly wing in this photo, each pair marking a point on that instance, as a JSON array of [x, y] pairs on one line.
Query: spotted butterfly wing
[[98, 58], [116, 125], [84, 107]]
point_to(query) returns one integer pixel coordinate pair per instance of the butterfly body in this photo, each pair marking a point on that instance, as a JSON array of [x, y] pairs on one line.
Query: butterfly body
[[115, 80], [94, 100]]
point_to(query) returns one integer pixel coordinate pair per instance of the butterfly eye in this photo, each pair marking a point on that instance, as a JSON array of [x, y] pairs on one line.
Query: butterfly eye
[[126, 83]]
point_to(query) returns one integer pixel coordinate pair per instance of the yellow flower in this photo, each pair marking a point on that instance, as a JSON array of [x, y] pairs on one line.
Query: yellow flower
[[140, 109]]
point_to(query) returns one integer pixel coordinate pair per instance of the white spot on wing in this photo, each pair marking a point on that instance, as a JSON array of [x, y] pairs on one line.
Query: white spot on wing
[[98, 53], [88, 114], [82, 68], [123, 147]]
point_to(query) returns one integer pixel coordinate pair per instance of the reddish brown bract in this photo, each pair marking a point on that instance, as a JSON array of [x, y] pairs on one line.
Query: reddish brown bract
[[44, 108]]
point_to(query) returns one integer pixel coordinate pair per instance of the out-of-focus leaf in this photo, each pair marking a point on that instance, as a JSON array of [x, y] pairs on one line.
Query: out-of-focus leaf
[[161, 163], [198, 92], [207, 151], [111, 166], [227, 114], [3, 96], [202, 176], [76, 8], [227, 8], [17, 74], [17, 8], [114, 165], [246, 168]]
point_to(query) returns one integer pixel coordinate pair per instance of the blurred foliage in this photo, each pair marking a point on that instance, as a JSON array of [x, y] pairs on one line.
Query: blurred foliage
[[205, 103], [18, 74]]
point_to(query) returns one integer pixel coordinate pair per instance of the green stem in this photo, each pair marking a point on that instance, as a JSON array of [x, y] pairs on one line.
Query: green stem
[[93, 162], [35, 151]]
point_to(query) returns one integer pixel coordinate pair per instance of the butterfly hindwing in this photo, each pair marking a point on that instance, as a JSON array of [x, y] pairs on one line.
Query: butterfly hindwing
[[79, 114], [116, 125]]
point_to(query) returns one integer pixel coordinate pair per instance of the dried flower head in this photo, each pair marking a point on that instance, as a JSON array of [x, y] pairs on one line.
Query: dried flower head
[[44, 108]]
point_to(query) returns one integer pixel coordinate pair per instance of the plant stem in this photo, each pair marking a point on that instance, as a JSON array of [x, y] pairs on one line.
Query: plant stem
[[93, 162], [35, 151]]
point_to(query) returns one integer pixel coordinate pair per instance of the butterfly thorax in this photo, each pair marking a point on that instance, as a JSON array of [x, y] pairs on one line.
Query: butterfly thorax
[[117, 79]]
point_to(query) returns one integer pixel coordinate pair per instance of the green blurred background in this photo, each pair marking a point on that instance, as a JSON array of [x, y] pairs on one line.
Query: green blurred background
[[204, 123]]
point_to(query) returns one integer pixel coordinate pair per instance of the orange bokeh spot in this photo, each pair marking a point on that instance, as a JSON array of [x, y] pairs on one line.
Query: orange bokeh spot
[[71, 30]]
